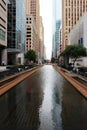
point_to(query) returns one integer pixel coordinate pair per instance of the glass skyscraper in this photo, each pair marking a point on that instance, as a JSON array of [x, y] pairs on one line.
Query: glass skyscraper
[[57, 37], [16, 30]]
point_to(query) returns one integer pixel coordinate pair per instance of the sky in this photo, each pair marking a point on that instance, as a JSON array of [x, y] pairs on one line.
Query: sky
[[46, 11]]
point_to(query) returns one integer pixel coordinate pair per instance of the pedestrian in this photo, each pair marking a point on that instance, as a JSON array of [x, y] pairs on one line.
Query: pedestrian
[[3, 63], [77, 70]]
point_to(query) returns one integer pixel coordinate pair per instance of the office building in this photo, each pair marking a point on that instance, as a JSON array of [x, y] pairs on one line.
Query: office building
[[78, 35], [32, 8], [16, 31], [72, 10], [57, 38], [3, 32], [54, 27], [56, 18], [31, 33], [41, 56]]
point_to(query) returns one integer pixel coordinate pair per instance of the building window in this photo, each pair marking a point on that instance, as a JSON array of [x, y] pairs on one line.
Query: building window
[[3, 7], [4, 2], [2, 35]]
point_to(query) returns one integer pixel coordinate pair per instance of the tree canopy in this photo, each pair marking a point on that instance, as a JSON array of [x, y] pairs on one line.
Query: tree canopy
[[52, 59], [74, 51], [31, 55]]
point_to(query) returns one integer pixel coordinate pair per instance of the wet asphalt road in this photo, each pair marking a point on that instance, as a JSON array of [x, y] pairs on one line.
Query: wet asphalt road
[[44, 101]]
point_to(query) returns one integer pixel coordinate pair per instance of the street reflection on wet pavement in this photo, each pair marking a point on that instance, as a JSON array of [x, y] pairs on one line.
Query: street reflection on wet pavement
[[44, 101]]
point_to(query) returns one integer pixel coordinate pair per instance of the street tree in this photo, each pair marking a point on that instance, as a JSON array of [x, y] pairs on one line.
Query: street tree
[[31, 55], [52, 60], [74, 51]]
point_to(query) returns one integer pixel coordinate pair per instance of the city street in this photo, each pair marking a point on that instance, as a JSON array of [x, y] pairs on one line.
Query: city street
[[44, 101]]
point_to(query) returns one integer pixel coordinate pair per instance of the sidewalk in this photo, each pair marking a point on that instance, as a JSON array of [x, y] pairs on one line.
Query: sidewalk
[[74, 74], [69, 76]]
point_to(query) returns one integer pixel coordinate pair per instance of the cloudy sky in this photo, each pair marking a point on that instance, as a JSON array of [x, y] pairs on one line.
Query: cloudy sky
[[46, 11]]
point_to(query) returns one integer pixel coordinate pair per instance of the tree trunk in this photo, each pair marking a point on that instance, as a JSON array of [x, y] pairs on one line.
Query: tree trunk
[[66, 61]]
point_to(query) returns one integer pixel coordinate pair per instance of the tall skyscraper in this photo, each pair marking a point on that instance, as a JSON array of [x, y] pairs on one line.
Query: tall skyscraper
[[3, 31], [41, 40], [56, 17], [57, 38], [54, 28], [16, 31], [72, 10], [32, 8]]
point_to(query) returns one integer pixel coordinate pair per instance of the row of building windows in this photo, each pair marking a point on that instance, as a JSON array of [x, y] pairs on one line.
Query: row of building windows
[[3, 7], [28, 32], [74, 2], [75, 9], [28, 18], [13, 9], [4, 2], [28, 22], [2, 26], [28, 28], [2, 35], [2, 20]]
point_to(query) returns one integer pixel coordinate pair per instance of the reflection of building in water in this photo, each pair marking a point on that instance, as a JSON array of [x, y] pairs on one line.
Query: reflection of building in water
[[20, 109], [74, 108], [57, 110], [33, 102], [8, 113], [11, 100]]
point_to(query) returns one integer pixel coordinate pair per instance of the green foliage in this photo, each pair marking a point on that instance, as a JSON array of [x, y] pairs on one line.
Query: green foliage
[[52, 59], [31, 55], [74, 51]]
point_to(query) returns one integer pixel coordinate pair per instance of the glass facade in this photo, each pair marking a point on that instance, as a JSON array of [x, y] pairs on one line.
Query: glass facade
[[2, 35], [16, 27], [11, 37], [21, 24]]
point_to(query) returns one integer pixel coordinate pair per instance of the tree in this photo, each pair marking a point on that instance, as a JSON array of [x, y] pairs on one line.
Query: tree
[[74, 51], [31, 55], [52, 59]]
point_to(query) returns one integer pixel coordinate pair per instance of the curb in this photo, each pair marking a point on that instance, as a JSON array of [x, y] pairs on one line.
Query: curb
[[9, 85], [79, 86]]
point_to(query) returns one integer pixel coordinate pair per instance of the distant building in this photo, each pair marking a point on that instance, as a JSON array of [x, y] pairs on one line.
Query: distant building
[[54, 28], [56, 25], [16, 31], [31, 33], [57, 38], [78, 35], [53, 46], [32, 8], [41, 55], [3, 31], [59, 49]]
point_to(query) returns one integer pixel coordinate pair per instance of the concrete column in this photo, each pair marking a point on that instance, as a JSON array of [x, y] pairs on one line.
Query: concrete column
[[4, 56]]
